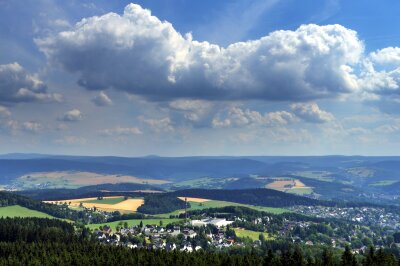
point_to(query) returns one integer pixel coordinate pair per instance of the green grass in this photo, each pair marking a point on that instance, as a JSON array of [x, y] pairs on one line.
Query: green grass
[[19, 211], [300, 190], [251, 234], [318, 175], [220, 204], [205, 182], [106, 200], [114, 225]]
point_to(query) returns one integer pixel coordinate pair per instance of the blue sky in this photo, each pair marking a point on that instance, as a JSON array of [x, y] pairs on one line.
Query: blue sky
[[176, 77]]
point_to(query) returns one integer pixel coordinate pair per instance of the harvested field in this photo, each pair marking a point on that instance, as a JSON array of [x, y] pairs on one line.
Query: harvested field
[[194, 199], [290, 185], [78, 179], [125, 206]]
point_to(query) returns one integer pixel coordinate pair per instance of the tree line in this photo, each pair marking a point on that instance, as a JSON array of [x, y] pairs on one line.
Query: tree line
[[41, 241]]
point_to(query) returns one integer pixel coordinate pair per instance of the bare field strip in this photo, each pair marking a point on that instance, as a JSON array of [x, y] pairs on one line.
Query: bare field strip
[[194, 199], [141, 190]]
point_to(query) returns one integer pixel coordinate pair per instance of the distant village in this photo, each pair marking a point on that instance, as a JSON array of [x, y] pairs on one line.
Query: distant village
[[171, 237], [218, 233]]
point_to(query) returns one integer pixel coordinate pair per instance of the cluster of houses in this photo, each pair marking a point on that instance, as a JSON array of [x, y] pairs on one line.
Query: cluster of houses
[[159, 237], [363, 215]]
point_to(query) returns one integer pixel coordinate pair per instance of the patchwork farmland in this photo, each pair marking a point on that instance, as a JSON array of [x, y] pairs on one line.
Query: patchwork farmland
[[109, 204]]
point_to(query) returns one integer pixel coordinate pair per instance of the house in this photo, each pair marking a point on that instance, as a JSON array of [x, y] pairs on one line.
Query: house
[[217, 222], [176, 231], [198, 223], [107, 230], [187, 247], [257, 243], [189, 233], [170, 246]]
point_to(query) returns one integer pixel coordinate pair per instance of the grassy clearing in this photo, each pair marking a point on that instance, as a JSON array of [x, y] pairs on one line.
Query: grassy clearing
[[383, 183], [114, 225], [318, 175], [220, 204], [251, 234], [110, 201], [19, 211], [205, 182], [300, 190]]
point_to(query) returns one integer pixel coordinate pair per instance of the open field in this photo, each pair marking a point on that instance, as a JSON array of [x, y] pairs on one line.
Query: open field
[[115, 203], [300, 190], [114, 225], [251, 234], [384, 183], [110, 200], [19, 211], [289, 185], [318, 175], [193, 199], [78, 179], [219, 204], [205, 182], [361, 172]]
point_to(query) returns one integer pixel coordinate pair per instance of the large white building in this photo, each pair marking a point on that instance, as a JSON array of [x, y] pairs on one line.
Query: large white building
[[214, 221]]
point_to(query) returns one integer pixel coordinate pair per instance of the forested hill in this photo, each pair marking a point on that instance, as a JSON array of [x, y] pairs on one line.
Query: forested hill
[[58, 211], [260, 197], [119, 189]]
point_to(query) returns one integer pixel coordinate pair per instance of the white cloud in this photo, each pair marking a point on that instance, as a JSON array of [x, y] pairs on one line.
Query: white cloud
[[121, 131], [4, 112], [237, 117], [71, 140], [140, 54], [102, 99], [33, 127], [15, 127], [72, 116], [388, 55], [310, 112], [159, 125], [9, 126], [17, 85]]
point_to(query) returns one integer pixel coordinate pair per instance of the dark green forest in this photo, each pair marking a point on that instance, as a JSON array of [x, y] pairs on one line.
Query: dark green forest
[[161, 203], [36, 241]]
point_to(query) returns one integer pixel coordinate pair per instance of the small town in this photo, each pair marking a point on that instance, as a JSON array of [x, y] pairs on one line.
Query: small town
[[364, 215], [217, 233]]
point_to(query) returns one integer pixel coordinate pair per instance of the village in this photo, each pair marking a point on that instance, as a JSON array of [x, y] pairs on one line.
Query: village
[[192, 237], [211, 233], [363, 215]]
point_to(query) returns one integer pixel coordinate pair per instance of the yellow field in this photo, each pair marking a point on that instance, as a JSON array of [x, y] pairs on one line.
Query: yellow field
[[129, 205], [287, 185], [194, 199]]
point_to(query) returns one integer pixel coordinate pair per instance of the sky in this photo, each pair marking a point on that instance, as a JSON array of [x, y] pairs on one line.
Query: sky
[[185, 77]]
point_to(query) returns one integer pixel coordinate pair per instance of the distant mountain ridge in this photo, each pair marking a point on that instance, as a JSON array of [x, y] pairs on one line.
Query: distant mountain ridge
[[343, 177]]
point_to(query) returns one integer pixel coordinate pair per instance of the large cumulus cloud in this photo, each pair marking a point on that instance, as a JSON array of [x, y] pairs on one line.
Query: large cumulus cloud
[[138, 53], [17, 85]]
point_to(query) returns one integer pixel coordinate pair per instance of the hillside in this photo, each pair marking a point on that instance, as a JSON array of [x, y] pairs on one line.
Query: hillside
[[259, 197], [325, 177]]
